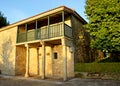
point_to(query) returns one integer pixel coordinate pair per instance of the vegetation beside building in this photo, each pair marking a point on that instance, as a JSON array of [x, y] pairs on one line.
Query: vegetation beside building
[[104, 26], [3, 20], [98, 67]]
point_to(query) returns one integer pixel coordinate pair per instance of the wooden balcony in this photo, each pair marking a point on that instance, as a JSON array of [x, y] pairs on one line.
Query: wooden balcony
[[45, 32]]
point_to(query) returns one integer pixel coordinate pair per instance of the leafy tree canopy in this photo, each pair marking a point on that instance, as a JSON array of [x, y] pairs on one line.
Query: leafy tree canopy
[[104, 24], [3, 20]]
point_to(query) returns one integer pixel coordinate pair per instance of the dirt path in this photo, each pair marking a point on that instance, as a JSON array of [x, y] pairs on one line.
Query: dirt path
[[74, 82]]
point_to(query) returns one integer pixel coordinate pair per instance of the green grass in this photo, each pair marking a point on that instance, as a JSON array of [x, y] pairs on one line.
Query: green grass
[[98, 67]]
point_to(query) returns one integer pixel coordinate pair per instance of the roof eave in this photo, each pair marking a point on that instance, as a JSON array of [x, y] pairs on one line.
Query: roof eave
[[46, 13]]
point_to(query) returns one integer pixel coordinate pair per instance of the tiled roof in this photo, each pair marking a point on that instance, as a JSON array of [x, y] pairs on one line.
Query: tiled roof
[[51, 11]]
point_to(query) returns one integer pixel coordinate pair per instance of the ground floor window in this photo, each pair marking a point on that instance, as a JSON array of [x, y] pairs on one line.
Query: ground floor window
[[55, 55]]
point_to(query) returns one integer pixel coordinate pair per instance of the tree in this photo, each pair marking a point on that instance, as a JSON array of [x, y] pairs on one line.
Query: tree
[[104, 24], [3, 20]]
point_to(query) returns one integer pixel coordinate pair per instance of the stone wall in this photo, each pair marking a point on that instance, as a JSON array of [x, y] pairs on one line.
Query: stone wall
[[7, 50], [58, 63], [53, 67], [48, 62], [67, 20], [20, 62], [81, 41], [33, 61]]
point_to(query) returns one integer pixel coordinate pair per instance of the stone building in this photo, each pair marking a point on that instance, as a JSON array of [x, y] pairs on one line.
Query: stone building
[[43, 45]]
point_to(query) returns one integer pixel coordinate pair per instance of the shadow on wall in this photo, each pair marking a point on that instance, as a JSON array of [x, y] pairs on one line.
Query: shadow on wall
[[7, 64]]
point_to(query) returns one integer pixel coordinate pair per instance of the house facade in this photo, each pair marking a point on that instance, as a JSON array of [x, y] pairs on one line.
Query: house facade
[[45, 45]]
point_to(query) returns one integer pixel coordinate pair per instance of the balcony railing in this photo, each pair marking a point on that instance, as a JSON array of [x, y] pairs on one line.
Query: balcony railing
[[46, 32]]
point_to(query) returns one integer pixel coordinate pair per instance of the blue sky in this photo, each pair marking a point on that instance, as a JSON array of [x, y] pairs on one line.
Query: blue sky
[[16, 10]]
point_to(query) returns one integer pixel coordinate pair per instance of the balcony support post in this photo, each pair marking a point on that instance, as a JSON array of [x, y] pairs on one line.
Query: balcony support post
[[43, 59], [18, 34], [27, 60], [63, 21], [64, 56], [26, 31], [48, 25], [36, 25]]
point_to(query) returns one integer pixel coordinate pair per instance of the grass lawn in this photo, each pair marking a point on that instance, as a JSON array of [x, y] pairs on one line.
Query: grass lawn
[[98, 67]]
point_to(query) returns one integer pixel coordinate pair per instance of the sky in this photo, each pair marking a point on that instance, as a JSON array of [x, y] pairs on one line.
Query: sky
[[16, 10]]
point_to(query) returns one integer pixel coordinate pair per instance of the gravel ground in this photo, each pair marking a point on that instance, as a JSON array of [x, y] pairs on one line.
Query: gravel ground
[[21, 81]]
